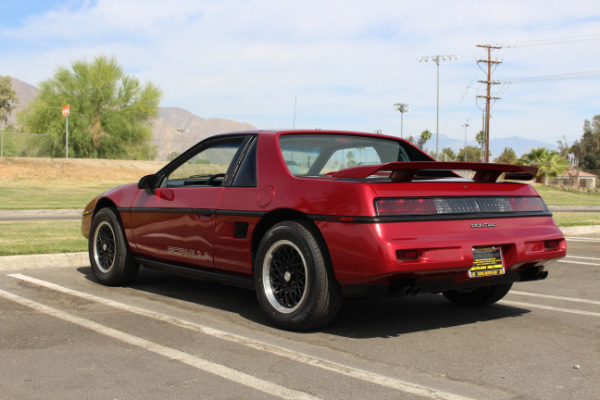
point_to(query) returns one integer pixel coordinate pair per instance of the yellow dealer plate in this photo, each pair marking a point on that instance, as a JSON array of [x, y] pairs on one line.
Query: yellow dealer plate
[[487, 261]]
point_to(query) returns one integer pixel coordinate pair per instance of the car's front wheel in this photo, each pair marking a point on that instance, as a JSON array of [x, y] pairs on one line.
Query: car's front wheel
[[480, 296], [111, 261], [294, 281]]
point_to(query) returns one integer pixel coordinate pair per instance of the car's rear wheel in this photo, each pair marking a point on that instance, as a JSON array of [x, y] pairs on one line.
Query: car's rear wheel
[[480, 296], [294, 281], [110, 258]]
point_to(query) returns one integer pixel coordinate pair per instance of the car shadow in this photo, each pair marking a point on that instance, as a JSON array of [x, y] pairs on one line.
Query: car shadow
[[369, 318], [194, 291], [357, 318]]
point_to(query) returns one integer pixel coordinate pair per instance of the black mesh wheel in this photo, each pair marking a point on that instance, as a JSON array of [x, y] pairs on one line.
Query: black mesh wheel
[[110, 257], [284, 276], [294, 281]]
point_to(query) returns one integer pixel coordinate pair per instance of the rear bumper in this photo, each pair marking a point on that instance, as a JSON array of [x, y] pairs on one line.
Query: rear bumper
[[410, 287], [371, 255]]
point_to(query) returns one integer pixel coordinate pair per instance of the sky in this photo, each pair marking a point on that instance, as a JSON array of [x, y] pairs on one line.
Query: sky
[[332, 64]]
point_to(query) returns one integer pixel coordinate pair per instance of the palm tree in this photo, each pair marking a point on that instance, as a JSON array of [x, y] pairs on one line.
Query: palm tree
[[425, 136], [479, 137], [549, 163]]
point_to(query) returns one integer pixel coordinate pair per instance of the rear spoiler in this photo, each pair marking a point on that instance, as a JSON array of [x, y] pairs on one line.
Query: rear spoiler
[[406, 171]]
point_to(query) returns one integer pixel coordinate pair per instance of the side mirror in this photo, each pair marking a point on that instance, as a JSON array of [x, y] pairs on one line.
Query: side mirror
[[148, 182]]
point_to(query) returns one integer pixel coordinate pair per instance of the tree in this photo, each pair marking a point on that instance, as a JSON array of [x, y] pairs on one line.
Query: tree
[[473, 154], [549, 163], [447, 154], [110, 111], [508, 156], [479, 137], [425, 136], [563, 147], [8, 98], [587, 149], [351, 160]]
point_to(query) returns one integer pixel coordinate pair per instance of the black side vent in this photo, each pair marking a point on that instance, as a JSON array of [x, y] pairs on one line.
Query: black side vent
[[240, 231]]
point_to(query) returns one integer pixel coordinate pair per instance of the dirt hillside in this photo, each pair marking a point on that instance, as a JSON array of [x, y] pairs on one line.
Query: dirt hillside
[[60, 171]]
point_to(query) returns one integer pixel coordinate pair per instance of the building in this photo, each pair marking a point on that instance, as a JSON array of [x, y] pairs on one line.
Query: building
[[573, 177]]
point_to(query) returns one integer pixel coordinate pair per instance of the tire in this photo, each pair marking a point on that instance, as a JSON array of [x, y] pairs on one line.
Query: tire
[[293, 277], [110, 258], [481, 296]]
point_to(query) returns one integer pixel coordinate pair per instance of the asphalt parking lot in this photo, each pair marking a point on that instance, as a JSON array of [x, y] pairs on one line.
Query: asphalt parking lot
[[64, 336]]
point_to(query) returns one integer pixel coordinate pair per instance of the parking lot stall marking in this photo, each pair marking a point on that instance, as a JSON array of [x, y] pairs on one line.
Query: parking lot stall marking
[[549, 296], [168, 352], [381, 380], [549, 308], [572, 260], [584, 258], [568, 261]]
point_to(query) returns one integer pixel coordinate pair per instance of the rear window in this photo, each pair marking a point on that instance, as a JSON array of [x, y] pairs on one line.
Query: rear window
[[319, 154]]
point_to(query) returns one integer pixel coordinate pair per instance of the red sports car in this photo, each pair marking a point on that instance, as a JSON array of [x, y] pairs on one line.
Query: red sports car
[[309, 217]]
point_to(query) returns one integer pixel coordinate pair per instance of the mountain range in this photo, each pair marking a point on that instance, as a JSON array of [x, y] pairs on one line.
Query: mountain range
[[176, 129]]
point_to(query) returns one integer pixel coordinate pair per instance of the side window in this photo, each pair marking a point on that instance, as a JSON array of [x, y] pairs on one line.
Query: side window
[[208, 167]]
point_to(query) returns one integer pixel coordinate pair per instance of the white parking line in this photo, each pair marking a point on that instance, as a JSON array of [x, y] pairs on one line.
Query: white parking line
[[173, 354], [327, 365], [584, 258], [569, 261], [550, 308], [549, 296]]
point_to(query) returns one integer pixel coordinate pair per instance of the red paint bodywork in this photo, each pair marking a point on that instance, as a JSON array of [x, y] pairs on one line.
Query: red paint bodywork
[[360, 253]]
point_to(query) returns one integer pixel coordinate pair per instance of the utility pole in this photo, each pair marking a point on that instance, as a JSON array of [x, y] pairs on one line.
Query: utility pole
[[488, 97]]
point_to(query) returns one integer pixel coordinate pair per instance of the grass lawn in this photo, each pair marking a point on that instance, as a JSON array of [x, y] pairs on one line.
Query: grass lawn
[[564, 219], [557, 197], [48, 197], [64, 236], [20, 197], [41, 237]]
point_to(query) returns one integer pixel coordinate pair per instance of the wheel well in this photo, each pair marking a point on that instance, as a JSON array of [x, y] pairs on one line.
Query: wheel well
[[102, 203], [277, 216], [108, 203]]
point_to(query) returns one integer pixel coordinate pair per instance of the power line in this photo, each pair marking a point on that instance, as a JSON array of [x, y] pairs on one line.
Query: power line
[[547, 42], [570, 75]]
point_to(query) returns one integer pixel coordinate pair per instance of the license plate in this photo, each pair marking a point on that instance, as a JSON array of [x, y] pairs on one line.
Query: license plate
[[487, 261]]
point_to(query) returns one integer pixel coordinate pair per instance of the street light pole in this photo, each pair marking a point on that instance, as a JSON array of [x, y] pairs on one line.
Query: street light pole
[[402, 108], [436, 59], [466, 125]]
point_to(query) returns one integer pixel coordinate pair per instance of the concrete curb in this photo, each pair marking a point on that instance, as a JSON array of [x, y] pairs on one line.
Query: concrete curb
[[43, 261]]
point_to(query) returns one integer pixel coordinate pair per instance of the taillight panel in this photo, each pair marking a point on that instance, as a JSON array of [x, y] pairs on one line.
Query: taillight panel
[[457, 205], [405, 207]]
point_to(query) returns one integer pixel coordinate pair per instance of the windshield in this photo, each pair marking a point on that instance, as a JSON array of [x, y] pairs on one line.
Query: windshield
[[319, 154]]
